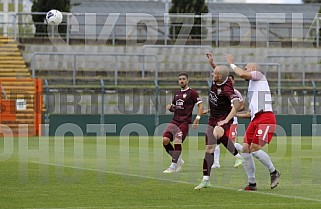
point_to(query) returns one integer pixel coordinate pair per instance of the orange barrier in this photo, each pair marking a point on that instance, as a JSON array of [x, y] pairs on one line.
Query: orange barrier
[[7, 110], [27, 91], [38, 106]]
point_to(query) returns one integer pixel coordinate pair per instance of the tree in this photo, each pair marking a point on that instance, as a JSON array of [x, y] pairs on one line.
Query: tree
[[196, 7], [45, 6]]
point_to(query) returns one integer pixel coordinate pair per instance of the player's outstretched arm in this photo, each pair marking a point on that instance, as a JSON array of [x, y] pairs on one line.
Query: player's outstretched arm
[[210, 58], [241, 108], [238, 71], [244, 114], [206, 111]]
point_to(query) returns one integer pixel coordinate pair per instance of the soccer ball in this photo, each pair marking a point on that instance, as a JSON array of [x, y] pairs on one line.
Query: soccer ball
[[54, 17]]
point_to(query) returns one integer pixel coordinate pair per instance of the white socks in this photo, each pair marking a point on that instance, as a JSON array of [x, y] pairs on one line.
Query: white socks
[[249, 167], [238, 147], [265, 159], [217, 154], [173, 165], [249, 164]]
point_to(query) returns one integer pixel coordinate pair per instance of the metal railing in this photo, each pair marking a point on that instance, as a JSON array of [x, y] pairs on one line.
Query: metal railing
[[302, 62], [145, 47], [116, 69], [219, 28], [75, 54]]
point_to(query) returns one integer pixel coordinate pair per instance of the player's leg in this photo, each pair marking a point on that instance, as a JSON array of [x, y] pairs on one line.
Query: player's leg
[[178, 141], [217, 151], [168, 146], [228, 143], [177, 161], [223, 136], [232, 149], [265, 159], [249, 165], [238, 146], [167, 138], [168, 134], [232, 135], [208, 160], [263, 135], [207, 163]]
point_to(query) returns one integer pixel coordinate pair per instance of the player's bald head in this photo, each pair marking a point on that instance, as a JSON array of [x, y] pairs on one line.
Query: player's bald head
[[252, 66], [223, 71]]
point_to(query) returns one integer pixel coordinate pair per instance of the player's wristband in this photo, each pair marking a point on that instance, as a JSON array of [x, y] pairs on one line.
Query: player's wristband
[[198, 117], [233, 66]]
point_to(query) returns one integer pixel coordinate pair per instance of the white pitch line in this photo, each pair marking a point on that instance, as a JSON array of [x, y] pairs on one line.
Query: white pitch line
[[176, 181], [181, 206]]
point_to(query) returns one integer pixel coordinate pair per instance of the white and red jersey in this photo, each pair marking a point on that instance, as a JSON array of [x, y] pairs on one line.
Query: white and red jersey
[[259, 94]]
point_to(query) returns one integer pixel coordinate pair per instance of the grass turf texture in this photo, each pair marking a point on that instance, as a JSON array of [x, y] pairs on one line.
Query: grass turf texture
[[126, 172]]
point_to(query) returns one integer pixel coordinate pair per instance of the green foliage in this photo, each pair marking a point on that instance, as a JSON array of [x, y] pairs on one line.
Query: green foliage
[[45, 6], [196, 7]]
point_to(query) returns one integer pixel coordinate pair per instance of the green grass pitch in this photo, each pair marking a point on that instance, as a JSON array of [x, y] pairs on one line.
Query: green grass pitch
[[126, 172]]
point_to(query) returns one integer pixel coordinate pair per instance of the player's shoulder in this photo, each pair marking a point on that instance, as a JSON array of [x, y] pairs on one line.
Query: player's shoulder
[[257, 76], [192, 90], [228, 84], [237, 91]]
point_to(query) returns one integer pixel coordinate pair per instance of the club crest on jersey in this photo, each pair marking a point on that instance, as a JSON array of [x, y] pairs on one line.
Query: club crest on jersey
[[184, 96], [259, 132], [219, 91]]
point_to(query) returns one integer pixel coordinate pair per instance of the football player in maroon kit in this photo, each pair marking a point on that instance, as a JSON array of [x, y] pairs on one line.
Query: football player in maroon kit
[[182, 106], [233, 128], [224, 104], [232, 135]]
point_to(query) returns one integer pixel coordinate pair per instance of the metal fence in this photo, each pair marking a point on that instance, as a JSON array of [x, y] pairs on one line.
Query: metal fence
[[300, 102], [225, 29]]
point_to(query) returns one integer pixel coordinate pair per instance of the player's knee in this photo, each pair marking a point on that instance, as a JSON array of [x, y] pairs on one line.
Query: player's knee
[[218, 132], [177, 141], [166, 140], [245, 148], [254, 148], [210, 148]]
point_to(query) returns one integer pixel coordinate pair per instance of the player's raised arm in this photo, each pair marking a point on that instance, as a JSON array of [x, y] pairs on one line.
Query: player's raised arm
[[211, 60], [206, 111], [243, 114], [239, 71]]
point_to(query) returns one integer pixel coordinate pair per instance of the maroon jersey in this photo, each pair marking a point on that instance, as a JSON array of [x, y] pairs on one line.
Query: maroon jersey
[[220, 98], [183, 104]]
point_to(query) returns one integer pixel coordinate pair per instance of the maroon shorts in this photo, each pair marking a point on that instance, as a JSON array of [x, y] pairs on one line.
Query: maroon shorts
[[261, 129], [178, 131], [212, 122]]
